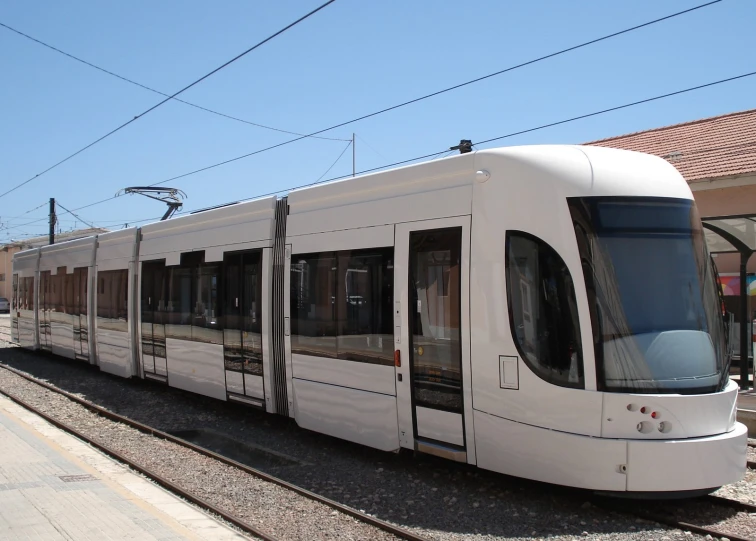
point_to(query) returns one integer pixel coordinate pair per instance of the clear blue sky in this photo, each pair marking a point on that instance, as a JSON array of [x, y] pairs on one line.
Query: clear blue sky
[[350, 59]]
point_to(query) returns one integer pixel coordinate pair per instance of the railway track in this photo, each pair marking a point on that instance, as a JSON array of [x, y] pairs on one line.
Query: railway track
[[669, 519], [363, 517]]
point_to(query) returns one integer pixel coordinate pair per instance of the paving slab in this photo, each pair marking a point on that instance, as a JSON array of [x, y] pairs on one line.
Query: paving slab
[[55, 487]]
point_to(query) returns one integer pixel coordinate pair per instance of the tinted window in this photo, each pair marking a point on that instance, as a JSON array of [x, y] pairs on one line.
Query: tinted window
[[543, 311], [652, 292], [192, 311], [112, 300], [242, 317], [313, 304], [341, 305]]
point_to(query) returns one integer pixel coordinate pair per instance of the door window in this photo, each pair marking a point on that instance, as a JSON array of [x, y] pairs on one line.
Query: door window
[[434, 317]]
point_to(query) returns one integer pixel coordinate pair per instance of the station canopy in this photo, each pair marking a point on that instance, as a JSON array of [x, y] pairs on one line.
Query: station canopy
[[735, 234], [731, 234]]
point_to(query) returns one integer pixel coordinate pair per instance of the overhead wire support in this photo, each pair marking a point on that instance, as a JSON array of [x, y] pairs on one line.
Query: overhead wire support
[[145, 87], [172, 96], [77, 217], [536, 128], [446, 150], [448, 89]]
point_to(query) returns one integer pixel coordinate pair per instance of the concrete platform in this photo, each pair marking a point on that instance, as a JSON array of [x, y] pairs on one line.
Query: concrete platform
[[55, 487]]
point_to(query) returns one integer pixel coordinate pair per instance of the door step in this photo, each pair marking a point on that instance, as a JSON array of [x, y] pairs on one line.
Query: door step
[[156, 377], [443, 450], [245, 400]]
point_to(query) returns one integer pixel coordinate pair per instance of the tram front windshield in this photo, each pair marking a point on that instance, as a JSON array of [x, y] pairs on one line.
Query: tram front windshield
[[652, 293]]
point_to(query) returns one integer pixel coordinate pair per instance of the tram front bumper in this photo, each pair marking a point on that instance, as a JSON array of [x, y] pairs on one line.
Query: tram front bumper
[[688, 464]]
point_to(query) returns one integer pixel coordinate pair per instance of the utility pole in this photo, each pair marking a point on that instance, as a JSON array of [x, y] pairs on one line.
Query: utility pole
[[52, 220], [354, 157]]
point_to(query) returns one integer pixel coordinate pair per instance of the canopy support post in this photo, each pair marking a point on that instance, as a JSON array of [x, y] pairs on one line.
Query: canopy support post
[[744, 335]]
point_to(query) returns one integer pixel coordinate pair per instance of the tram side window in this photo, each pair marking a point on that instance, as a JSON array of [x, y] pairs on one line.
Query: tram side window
[[112, 299], [313, 304], [193, 312], [341, 305], [543, 311], [28, 296], [14, 293]]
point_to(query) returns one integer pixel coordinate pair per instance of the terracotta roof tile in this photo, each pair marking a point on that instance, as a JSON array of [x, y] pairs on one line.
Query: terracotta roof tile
[[708, 148]]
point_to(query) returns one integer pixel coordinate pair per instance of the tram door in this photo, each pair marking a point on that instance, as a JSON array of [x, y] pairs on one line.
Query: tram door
[[153, 309], [242, 328], [80, 314], [431, 329], [45, 305]]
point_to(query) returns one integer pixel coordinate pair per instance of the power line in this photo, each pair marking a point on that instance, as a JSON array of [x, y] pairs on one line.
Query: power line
[[541, 127], [639, 102], [173, 95], [78, 217], [335, 161], [29, 211], [145, 87], [449, 89], [416, 100]]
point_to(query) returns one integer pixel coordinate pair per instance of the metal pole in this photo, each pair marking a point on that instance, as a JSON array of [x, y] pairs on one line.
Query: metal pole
[[354, 158], [52, 220], [744, 337]]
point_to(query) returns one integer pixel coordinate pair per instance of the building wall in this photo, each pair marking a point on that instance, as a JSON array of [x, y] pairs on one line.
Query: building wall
[[6, 270]]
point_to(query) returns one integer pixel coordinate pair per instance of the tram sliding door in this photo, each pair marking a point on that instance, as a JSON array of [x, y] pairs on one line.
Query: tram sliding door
[[79, 313], [153, 306], [45, 305], [242, 329], [432, 333]]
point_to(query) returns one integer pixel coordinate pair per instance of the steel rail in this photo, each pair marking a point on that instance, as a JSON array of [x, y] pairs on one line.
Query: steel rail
[[671, 521], [363, 517]]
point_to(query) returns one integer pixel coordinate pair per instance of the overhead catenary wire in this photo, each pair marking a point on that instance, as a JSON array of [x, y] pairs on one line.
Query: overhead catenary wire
[[512, 134], [145, 87], [76, 215], [536, 128], [443, 91], [533, 61], [187, 87], [335, 161]]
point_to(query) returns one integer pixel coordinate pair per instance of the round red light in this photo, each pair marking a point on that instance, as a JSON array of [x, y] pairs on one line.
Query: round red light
[[654, 415], [643, 409]]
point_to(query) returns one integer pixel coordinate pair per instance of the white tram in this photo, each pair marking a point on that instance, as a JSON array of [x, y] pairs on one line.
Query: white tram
[[549, 312]]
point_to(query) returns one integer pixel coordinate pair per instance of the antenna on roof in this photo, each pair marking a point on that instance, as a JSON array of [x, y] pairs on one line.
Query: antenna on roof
[[464, 146], [170, 196]]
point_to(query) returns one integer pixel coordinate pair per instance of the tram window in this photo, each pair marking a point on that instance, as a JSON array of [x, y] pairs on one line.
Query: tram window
[[206, 317], [14, 293], [313, 304], [341, 305], [364, 306], [543, 311], [112, 300], [192, 311], [178, 314]]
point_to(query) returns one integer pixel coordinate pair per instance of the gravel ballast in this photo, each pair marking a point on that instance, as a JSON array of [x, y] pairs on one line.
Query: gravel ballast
[[435, 498]]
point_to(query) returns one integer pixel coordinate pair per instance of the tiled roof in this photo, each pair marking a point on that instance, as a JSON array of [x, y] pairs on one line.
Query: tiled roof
[[712, 147]]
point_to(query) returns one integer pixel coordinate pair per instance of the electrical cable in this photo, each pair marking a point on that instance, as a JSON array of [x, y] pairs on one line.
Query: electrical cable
[[145, 87], [529, 130], [75, 215], [336, 161], [171, 96], [439, 92]]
